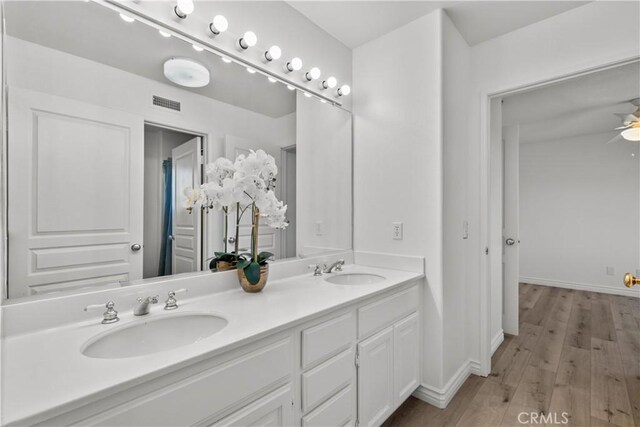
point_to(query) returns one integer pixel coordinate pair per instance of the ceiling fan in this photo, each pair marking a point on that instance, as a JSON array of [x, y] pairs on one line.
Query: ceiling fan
[[630, 124]]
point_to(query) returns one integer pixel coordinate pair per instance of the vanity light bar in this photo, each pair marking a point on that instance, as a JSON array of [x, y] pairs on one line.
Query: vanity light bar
[[249, 39]]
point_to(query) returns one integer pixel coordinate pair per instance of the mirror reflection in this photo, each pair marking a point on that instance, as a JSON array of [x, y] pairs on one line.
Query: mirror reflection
[[109, 121]]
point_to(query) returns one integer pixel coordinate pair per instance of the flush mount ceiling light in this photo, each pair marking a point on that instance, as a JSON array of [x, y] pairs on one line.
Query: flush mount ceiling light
[[294, 65], [343, 90], [186, 72], [183, 8], [218, 25], [249, 39], [274, 52], [312, 74], [330, 83]]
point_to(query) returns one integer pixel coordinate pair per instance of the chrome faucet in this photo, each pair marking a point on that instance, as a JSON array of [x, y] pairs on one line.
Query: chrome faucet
[[336, 266], [142, 307], [109, 316]]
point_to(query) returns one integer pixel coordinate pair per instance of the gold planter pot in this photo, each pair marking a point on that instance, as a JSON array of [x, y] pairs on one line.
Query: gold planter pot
[[248, 287]]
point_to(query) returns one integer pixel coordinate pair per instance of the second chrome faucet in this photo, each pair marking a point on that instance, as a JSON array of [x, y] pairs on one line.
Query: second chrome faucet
[[142, 307]]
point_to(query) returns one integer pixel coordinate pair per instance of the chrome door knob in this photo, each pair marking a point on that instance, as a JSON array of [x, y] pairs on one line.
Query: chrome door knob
[[136, 247], [510, 242]]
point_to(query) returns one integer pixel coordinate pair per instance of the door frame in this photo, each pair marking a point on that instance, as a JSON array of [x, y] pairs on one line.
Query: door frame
[[486, 233], [284, 172], [203, 157]]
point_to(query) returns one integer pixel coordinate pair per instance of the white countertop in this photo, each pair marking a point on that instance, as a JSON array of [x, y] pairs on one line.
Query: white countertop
[[44, 371]]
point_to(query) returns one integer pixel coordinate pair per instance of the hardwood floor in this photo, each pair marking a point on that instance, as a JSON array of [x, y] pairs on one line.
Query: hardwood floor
[[577, 353]]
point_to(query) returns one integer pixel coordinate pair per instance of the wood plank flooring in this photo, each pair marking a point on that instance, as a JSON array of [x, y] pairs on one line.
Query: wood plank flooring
[[577, 352]]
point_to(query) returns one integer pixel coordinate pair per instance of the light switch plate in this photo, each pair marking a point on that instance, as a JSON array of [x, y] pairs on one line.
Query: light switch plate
[[396, 230]]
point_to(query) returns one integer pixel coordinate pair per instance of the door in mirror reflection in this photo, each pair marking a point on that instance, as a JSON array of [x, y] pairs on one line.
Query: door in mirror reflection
[[75, 198]]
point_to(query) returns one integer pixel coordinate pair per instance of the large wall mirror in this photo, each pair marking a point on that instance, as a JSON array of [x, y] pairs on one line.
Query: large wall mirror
[[100, 146]]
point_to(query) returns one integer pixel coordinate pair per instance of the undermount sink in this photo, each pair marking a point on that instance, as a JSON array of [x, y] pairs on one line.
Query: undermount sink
[[154, 335], [355, 279]]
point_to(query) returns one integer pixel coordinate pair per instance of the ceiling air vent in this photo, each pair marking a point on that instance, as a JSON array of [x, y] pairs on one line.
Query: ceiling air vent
[[166, 103]]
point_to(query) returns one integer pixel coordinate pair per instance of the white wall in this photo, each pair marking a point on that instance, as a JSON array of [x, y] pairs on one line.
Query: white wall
[[398, 160], [579, 212], [585, 37], [456, 62]]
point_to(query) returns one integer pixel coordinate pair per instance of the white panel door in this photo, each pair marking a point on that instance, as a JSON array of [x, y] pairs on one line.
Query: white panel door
[[406, 347], [268, 238], [375, 378], [510, 234], [75, 194], [185, 161]]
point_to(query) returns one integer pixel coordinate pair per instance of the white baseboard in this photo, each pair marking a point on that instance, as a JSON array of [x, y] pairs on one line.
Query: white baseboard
[[622, 290], [496, 341], [440, 397]]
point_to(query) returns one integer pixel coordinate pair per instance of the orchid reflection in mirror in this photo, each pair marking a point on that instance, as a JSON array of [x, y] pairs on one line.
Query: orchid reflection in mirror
[[245, 185]]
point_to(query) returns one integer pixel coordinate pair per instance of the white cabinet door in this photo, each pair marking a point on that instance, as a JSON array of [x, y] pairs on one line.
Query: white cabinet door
[[75, 194], [406, 347], [375, 378], [273, 410], [185, 257]]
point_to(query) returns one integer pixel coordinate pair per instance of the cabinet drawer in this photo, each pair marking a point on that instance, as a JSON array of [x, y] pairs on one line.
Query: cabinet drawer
[[202, 395], [324, 380], [274, 409], [327, 338], [337, 411], [381, 313]]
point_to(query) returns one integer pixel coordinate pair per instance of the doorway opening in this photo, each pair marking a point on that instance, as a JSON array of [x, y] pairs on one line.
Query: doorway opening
[[172, 236], [288, 183], [564, 195]]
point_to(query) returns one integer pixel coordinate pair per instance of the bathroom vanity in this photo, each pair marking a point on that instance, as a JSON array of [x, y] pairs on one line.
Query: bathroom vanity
[[304, 352]]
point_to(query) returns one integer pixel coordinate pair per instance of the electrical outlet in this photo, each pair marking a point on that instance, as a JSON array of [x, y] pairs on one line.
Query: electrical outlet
[[611, 271], [319, 228], [396, 230]]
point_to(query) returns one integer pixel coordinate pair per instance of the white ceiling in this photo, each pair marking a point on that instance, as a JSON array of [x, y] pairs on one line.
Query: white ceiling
[[94, 32], [580, 106], [357, 22]]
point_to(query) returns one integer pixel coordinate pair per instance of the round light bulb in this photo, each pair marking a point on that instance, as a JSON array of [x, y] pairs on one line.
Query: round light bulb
[[331, 82], [249, 39], [344, 90], [296, 63], [313, 73], [126, 18], [631, 134], [184, 8], [274, 52], [219, 24]]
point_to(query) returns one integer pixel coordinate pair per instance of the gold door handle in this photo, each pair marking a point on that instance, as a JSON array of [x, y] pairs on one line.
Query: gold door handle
[[630, 280]]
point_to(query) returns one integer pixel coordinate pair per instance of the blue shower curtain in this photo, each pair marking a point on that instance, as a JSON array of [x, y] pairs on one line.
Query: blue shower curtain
[[167, 221]]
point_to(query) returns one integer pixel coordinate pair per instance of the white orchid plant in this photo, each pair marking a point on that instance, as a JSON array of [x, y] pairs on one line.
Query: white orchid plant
[[246, 185]]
